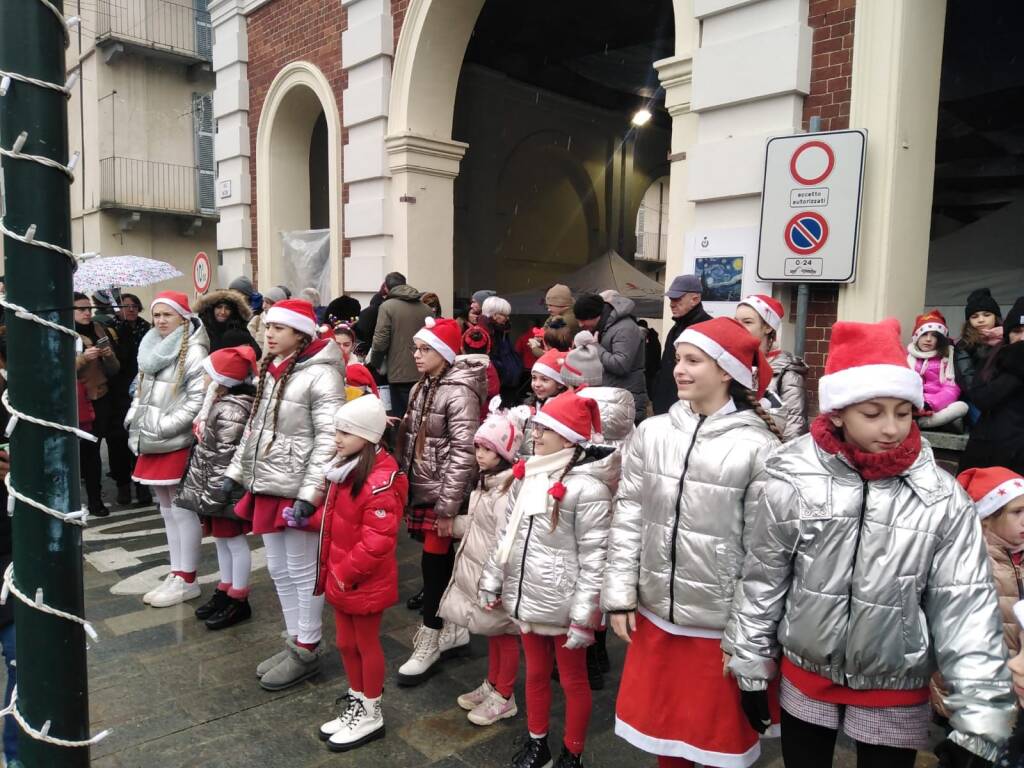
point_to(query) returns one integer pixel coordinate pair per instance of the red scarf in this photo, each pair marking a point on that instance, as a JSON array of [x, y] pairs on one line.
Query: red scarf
[[870, 466]]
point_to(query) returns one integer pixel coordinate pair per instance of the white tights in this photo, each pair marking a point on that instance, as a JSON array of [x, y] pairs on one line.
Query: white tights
[[291, 560], [184, 533], [234, 560]]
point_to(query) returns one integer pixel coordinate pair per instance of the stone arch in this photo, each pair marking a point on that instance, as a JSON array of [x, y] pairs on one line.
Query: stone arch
[[297, 97]]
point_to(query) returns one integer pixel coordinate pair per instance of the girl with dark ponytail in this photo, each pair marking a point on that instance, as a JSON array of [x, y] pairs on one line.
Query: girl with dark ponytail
[[280, 465], [683, 514]]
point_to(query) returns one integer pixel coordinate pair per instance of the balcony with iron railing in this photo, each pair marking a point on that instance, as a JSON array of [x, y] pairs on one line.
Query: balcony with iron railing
[[167, 29], [128, 184]]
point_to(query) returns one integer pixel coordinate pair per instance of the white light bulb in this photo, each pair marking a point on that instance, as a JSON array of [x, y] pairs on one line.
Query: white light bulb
[[641, 117], [72, 79], [74, 161], [20, 141], [5, 84]]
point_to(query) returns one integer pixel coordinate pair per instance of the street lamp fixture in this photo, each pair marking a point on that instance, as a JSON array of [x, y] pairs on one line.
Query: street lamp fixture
[[641, 117]]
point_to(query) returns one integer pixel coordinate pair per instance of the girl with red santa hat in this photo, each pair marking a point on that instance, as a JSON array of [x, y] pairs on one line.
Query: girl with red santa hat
[[168, 396], [280, 465], [686, 502]]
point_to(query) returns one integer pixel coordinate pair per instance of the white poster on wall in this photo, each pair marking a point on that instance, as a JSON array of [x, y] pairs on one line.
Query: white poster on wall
[[726, 262]]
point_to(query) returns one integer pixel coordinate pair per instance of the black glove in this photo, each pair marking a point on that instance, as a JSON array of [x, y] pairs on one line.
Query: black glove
[[1011, 359], [954, 756], [302, 510], [755, 707], [229, 486]]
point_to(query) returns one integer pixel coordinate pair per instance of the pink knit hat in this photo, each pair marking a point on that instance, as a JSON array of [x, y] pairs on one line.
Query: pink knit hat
[[502, 431]]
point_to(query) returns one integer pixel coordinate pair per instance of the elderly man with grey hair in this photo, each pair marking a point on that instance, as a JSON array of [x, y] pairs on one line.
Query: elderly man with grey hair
[[684, 300]]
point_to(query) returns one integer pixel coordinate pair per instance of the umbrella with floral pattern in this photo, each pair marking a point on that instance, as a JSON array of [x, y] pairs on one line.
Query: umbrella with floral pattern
[[104, 272]]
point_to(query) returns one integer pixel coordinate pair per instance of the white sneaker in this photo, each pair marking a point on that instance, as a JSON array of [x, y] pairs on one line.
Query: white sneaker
[[346, 711], [473, 699], [177, 591], [148, 597], [494, 708], [366, 724], [425, 654], [454, 640]]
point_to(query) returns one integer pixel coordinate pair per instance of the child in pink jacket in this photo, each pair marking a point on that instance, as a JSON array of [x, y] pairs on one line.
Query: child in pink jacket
[[931, 356]]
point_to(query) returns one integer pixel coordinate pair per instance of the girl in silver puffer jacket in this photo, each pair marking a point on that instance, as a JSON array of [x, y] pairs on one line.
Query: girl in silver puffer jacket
[[683, 515]]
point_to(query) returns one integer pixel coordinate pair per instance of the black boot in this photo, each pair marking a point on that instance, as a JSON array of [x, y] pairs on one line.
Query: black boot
[[415, 602], [216, 603], [143, 496], [601, 638], [568, 760], [594, 676], [231, 614], [534, 754], [98, 509], [124, 494]]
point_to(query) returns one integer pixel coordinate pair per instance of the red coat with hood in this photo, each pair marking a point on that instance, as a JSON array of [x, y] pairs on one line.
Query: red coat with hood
[[358, 537]]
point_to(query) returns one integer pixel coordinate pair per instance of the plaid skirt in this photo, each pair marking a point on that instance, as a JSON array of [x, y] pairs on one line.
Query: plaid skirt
[[901, 727], [418, 520]]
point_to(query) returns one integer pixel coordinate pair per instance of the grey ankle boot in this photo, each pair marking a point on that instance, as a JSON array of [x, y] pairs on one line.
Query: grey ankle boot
[[268, 664], [298, 665]]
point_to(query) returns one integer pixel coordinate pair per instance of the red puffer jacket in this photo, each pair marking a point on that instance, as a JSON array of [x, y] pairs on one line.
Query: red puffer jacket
[[358, 537]]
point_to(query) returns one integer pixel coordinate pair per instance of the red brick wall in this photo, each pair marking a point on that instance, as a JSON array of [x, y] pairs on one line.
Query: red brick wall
[[398, 9], [829, 99], [282, 32]]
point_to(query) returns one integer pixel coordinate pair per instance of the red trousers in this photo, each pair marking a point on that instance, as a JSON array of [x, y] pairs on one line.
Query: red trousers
[[358, 639], [540, 652], [665, 761], [503, 663]]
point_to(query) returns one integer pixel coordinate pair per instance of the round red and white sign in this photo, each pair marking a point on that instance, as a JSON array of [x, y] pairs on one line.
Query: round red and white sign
[[812, 162], [202, 273]]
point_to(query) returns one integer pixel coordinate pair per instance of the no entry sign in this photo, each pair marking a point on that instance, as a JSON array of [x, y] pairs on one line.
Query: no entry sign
[[810, 208]]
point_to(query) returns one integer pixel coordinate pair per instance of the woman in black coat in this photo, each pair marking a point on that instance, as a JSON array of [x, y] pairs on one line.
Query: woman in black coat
[[223, 311]]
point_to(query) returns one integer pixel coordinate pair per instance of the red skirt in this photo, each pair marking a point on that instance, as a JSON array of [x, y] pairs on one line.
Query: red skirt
[[161, 468], [224, 527], [695, 712], [266, 513]]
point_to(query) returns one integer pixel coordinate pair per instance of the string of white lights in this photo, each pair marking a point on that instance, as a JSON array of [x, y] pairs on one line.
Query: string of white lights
[[79, 517]]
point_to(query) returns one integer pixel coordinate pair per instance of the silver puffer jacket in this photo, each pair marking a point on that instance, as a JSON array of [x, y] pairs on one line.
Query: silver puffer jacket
[[869, 584], [443, 476], [618, 412], [788, 374], [683, 514], [293, 465], [553, 578], [160, 417], [201, 490]]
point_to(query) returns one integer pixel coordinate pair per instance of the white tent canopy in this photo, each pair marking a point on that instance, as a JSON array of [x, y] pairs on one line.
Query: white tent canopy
[[608, 271]]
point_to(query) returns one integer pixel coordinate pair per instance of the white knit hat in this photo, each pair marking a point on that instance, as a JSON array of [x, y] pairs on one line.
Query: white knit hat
[[364, 417]]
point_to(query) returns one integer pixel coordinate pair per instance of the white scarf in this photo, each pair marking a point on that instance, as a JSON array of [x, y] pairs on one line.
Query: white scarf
[[947, 371], [156, 352], [533, 498], [339, 473]]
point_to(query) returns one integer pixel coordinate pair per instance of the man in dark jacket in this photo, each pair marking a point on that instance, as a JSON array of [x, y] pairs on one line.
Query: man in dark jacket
[[400, 316], [621, 344], [684, 300]]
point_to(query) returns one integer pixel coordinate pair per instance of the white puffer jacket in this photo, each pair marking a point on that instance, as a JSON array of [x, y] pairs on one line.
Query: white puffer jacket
[[160, 418], [683, 515], [292, 466]]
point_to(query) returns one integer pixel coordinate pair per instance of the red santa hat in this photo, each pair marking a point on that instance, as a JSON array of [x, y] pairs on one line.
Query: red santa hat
[[573, 417], [930, 322], [231, 366], [294, 313], [991, 488], [769, 309], [357, 375], [865, 361], [734, 350], [176, 300], [442, 335], [550, 364]]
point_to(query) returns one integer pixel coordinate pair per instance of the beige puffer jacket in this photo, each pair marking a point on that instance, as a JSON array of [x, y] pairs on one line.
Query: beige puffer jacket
[[553, 578], [873, 585], [444, 475], [684, 513], [1009, 587], [479, 533], [293, 465], [160, 417]]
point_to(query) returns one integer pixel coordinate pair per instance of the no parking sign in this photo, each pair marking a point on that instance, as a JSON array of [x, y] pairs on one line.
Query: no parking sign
[[810, 207]]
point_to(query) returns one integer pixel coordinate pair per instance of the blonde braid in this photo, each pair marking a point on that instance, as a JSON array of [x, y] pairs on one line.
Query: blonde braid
[[751, 398], [306, 341], [182, 354], [577, 454]]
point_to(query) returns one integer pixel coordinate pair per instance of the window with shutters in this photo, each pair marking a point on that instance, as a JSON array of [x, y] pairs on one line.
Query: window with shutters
[[204, 30], [206, 172]]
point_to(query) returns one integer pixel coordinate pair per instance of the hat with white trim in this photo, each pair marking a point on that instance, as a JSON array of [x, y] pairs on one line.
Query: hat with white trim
[[865, 361], [733, 349], [231, 366], [297, 314], [991, 488], [443, 335], [176, 300], [769, 309], [930, 322], [573, 417], [549, 364]]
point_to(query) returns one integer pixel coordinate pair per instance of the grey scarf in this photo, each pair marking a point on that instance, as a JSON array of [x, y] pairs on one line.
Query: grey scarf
[[156, 352]]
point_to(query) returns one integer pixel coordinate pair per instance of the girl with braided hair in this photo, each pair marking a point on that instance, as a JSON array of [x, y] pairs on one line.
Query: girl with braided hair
[[168, 395], [435, 448], [684, 512], [547, 566], [280, 464]]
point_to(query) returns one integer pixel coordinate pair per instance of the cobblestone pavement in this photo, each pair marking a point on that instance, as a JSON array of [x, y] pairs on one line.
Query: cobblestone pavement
[[176, 694]]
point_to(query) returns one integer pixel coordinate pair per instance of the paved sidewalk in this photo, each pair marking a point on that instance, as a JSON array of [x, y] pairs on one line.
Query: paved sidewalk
[[177, 694]]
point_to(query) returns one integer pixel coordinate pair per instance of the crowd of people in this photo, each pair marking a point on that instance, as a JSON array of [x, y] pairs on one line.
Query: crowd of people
[[795, 573]]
